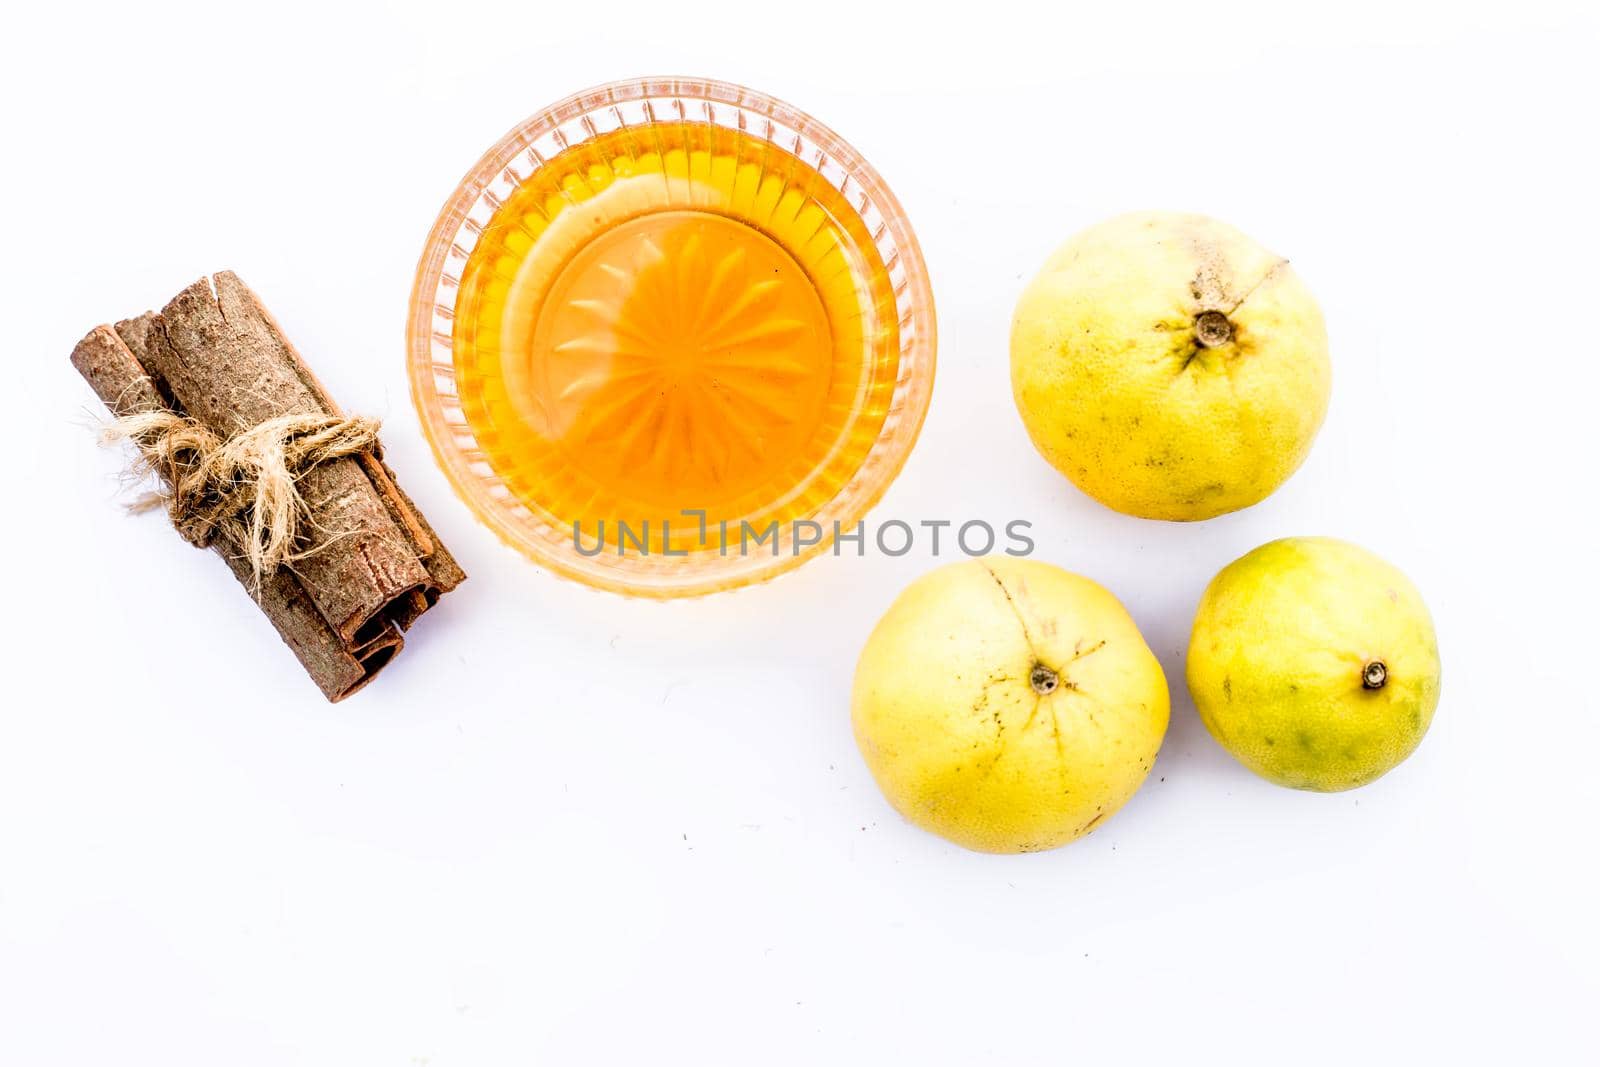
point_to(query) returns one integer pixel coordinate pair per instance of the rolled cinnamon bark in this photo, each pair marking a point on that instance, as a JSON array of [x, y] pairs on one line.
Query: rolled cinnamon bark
[[230, 367], [371, 564]]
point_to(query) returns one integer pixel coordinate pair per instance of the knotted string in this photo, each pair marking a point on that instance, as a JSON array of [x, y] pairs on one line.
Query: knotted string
[[243, 489]]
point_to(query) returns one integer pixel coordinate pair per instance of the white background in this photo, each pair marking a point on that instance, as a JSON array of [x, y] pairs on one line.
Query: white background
[[566, 827]]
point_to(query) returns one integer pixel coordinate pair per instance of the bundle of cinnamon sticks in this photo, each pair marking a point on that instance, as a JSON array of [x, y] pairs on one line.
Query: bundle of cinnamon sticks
[[368, 564]]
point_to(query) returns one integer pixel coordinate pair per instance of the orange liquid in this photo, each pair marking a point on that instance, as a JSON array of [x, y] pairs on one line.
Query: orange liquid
[[675, 317]]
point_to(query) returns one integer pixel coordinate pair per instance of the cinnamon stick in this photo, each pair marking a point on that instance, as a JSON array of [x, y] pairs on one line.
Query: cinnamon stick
[[371, 564], [229, 366]]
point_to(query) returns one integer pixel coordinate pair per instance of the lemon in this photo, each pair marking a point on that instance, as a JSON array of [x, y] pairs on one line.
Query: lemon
[[1314, 663], [1008, 705], [1169, 366]]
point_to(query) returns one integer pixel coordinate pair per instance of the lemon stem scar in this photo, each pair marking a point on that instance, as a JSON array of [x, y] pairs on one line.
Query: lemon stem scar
[[1043, 679], [1212, 329], [1374, 674]]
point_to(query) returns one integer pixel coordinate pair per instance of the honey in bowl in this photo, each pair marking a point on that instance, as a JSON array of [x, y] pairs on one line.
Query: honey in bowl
[[671, 333]]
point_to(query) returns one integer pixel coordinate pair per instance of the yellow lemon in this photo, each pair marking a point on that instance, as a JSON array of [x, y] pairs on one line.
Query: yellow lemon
[[1008, 705], [1170, 366], [1314, 662]]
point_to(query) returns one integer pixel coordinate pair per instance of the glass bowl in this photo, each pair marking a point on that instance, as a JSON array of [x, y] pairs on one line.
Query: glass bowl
[[671, 336]]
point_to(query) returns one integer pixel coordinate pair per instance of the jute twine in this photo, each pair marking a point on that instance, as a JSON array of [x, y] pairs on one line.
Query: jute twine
[[241, 490]]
